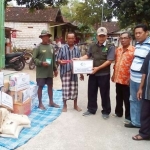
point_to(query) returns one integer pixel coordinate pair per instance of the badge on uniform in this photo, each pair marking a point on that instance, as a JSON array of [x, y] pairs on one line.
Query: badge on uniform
[[104, 49], [43, 51]]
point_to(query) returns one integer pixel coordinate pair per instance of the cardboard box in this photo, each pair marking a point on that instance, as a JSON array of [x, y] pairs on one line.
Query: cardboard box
[[6, 101], [1, 79], [33, 95], [33, 91], [82, 66], [20, 96], [23, 108], [6, 86], [19, 81]]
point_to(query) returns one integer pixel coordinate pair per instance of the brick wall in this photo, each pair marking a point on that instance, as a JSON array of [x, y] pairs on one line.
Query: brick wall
[[28, 35]]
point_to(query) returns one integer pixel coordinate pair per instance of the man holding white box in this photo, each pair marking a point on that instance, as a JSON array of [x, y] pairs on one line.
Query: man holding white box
[[68, 78], [102, 54]]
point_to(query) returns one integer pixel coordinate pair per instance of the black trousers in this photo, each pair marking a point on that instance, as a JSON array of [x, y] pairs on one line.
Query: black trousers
[[145, 119], [122, 95], [102, 82]]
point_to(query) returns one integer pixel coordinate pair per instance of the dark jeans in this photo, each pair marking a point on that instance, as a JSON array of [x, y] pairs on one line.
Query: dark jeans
[[102, 82], [122, 95], [145, 119]]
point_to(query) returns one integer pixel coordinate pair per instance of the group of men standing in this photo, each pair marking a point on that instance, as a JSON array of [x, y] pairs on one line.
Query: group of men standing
[[132, 87]]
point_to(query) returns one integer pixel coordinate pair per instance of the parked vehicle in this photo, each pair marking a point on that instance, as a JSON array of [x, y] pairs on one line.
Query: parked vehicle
[[31, 64], [27, 56], [15, 60]]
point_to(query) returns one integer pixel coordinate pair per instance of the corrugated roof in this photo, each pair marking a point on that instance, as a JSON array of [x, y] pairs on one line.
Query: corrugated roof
[[22, 14], [111, 26]]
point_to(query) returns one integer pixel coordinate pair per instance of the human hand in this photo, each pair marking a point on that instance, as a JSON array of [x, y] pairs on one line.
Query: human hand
[[75, 58], [139, 94], [45, 64], [112, 78], [63, 62], [81, 77], [95, 69], [55, 73]]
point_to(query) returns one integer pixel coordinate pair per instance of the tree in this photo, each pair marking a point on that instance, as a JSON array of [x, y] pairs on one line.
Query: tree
[[39, 4], [69, 10], [131, 12], [90, 12]]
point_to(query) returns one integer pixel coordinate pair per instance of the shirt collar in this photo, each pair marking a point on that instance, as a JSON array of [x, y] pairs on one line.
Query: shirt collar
[[104, 44], [68, 46], [128, 48], [147, 40]]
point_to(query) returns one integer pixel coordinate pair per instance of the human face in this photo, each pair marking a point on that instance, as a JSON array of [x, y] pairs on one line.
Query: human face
[[45, 39], [125, 40], [140, 35], [70, 39], [101, 38]]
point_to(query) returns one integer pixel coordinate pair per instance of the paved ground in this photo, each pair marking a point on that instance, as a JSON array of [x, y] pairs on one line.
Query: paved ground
[[72, 131]]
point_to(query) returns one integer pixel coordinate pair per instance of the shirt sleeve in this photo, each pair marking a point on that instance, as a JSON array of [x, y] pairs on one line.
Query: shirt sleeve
[[144, 68], [89, 51], [111, 53], [59, 55], [35, 57]]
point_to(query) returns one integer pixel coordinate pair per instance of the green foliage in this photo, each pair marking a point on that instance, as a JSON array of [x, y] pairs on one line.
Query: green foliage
[[39, 4], [88, 12], [69, 10], [131, 12]]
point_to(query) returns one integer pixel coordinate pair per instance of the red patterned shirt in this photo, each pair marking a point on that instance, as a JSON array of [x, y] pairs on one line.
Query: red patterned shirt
[[123, 61]]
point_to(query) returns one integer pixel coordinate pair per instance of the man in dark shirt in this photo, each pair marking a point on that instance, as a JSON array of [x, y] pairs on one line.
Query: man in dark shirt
[[102, 54], [44, 58], [144, 95]]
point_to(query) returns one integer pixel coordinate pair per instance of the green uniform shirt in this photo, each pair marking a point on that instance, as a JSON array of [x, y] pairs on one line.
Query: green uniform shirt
[[43, 53]]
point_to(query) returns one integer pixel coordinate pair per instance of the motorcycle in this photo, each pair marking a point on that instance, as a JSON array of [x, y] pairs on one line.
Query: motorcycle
[[15, 60]]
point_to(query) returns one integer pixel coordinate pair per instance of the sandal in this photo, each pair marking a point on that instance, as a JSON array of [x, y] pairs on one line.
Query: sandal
[[139, 138]]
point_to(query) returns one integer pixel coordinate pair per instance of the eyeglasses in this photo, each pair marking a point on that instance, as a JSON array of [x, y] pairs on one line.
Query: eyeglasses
[[123, 38]]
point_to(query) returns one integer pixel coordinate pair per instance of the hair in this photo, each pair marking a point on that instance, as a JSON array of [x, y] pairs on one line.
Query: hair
[[128, 33], [143, 26], [70, 33]]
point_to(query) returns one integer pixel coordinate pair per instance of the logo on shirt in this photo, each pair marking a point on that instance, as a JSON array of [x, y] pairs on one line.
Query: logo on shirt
[[43, 51], [104, 49]]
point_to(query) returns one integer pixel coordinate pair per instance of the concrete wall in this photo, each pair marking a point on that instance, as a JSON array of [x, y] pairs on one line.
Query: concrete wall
[[28, 35]]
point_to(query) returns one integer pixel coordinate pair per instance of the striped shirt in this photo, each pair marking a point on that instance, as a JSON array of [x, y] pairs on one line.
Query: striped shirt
[[66, 54], [141, 51]]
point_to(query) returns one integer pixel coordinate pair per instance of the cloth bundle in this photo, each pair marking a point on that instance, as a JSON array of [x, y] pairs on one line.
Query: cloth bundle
[[12, 124]]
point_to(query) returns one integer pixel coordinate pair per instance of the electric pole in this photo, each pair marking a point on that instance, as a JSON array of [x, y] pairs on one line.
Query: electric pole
[[102, 11]]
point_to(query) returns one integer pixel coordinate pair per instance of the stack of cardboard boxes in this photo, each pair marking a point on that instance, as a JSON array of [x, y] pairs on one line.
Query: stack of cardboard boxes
[[5, 99], [21, 94]]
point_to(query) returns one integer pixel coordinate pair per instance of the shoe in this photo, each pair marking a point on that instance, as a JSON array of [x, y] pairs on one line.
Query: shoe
[[130, 125], [105, 116], [87, 113], [126, 121]]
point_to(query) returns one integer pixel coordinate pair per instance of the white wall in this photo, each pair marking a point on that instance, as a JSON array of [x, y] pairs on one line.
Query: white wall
[[28, 35]]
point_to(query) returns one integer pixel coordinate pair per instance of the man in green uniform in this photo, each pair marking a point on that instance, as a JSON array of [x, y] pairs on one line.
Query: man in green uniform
[[44, 58]]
